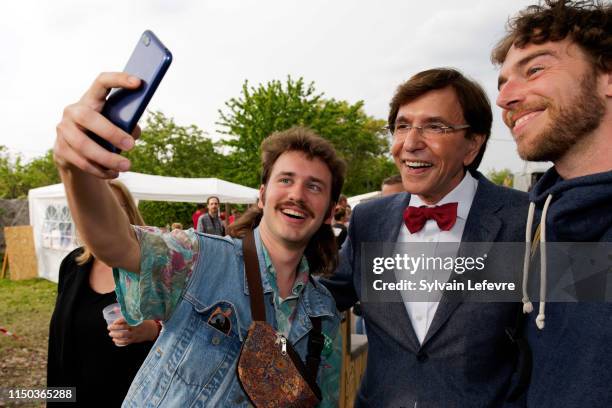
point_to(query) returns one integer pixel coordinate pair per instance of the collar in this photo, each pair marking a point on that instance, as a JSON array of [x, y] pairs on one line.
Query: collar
[[301, 278], [463, 194], [314, 297]]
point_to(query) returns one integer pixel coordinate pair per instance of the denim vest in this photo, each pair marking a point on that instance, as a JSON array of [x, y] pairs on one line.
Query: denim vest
[[192, 364]]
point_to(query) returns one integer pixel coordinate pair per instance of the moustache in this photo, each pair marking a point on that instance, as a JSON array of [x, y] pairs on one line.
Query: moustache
[[519, 109], [293, 203]]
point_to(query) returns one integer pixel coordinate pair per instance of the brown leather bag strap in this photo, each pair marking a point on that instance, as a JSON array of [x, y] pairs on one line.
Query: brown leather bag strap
[[251, 266]]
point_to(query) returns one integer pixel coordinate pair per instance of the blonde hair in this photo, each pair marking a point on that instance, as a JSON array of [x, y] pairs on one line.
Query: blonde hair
[[130, 208]]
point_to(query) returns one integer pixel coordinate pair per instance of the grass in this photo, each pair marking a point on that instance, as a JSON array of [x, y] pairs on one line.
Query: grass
[[25, 310]]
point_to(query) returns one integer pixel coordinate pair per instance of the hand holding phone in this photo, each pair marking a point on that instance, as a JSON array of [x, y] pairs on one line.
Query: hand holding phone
[[124, 107], [111, 122]]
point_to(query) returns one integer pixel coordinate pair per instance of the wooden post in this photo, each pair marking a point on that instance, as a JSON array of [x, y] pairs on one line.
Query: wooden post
[[227, 215], [4, 264]]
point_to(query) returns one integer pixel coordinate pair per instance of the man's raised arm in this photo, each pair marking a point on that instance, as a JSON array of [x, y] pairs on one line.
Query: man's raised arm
[[85, 167]]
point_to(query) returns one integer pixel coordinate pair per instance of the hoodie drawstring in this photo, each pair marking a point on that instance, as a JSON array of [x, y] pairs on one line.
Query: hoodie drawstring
[[527, 305]]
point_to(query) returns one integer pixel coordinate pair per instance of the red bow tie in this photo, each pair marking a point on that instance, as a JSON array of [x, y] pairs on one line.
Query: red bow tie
[[444, 215]]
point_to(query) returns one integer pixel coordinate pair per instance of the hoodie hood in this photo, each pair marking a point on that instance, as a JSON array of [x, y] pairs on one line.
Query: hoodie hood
[[580, 209], [575, 210]]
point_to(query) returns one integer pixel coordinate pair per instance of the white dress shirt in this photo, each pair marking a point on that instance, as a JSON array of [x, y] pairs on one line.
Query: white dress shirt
[[421, 313]]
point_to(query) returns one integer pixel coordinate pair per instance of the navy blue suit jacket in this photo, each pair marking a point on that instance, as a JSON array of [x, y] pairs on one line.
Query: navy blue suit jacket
[[466, 358]]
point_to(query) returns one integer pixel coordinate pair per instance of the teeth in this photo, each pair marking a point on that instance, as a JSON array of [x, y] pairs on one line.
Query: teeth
[[293, 213], [417, 164], [525, 118]]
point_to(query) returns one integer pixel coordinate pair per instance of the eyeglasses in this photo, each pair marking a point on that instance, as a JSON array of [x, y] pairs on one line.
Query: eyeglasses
[[428, 129]]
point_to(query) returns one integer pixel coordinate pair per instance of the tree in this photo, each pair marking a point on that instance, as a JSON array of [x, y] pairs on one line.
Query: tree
[[502, 177], [17, 177], [275, 106], [167, 149]]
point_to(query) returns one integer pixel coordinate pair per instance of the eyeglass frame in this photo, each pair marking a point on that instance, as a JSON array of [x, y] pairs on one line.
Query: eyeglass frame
[[426, 129]]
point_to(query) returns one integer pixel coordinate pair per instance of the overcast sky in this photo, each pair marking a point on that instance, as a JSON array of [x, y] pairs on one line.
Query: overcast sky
[[352, 50]]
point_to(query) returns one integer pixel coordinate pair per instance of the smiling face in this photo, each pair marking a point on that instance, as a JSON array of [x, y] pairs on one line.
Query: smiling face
[[296, 200], [431, 166], [551, 98]]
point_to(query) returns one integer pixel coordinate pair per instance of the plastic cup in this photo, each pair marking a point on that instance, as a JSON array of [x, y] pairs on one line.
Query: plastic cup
[[112, 313]]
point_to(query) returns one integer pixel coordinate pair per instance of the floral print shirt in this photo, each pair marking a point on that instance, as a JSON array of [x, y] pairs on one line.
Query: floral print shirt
[[167, 262]]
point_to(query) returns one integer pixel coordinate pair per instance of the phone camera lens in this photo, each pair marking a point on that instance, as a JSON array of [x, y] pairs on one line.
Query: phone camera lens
[[146, 40]]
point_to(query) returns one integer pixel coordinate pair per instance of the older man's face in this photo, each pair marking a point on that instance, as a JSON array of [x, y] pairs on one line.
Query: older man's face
[[431, 166]]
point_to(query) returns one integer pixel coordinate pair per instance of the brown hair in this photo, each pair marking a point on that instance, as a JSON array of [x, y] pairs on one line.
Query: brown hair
[[210, 198], [340, 213], [587, 23], [321, 251], [472, 98], [395, 179], [130, 208]]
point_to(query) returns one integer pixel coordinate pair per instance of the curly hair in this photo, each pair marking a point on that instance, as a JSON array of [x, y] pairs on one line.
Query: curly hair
[[587, 23]]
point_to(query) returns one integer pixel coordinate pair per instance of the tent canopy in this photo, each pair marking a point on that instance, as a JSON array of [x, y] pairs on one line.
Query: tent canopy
[[161, 188], [54, 230]]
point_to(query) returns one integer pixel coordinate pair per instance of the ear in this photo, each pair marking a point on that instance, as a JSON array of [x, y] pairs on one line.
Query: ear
[[608, 84], [474, 144], [330, 213], [262, 194]]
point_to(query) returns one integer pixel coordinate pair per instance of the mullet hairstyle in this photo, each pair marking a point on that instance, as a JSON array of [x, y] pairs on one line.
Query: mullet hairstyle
[[322, 250], [586, 23], [473, 99], [130, 208]]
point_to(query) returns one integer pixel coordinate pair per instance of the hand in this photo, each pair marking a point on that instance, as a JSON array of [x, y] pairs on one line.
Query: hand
[[122, 334], [73, 148]]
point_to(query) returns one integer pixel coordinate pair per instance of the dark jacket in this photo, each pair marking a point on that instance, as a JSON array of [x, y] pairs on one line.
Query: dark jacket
[[466, 359], [572, 354]]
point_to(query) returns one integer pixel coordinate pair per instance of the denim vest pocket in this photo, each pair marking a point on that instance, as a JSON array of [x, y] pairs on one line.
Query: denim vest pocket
[[213, 347]]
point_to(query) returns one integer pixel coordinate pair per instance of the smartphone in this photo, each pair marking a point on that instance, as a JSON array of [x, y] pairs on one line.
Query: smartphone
[[124, 107]]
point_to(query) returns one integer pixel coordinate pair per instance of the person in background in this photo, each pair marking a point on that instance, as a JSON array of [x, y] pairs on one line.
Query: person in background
[[392, 185], [555, 91], [200, 210], [347, 217], [338, 227], [210, 223], [82, 352], [235, 215], [176, 225]]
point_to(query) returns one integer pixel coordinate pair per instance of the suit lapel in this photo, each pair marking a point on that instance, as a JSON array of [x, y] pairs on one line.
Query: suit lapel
[[392, 316], [392, 219], [481, 228]]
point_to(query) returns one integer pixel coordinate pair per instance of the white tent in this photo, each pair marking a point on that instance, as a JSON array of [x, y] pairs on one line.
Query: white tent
[[55, 233]]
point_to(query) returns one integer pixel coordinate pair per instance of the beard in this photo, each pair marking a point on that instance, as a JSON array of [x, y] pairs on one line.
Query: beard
[[570, 123]]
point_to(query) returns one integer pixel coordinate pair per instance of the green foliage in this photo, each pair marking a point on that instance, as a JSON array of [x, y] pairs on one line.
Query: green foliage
[[502, 177], [167, 149], [17, 177], [25, 310], [277, 106], [162, 213]]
